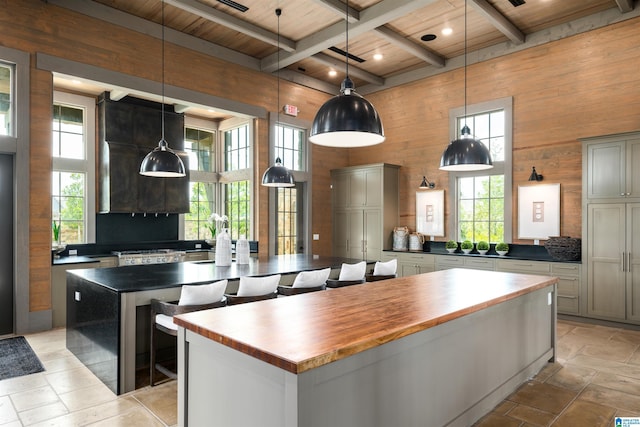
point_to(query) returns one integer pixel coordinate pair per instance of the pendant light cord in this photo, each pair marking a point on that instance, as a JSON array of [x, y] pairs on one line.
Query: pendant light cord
[[162, 56], [346, 20], [278, 13], [465, 62]]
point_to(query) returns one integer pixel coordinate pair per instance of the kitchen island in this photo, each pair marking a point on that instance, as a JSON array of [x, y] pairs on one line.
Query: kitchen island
[[434, 349], [103, 305]]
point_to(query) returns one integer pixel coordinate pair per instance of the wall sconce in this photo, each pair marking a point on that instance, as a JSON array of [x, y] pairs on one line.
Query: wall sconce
[[426, 185], [534, 175]]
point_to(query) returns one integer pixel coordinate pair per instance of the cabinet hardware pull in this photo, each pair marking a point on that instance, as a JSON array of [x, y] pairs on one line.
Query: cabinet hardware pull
[[567, 296], [624, 267], [629, 263]]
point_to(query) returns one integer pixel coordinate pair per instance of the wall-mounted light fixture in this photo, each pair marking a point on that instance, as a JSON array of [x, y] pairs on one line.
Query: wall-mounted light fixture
[[426, 184], [535, 176]]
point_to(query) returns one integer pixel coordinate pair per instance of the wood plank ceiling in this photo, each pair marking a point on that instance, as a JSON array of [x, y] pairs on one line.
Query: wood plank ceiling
[[391, 28]]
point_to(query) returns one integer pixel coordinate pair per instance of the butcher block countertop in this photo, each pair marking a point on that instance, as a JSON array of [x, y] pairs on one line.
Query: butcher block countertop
[[302, 332]]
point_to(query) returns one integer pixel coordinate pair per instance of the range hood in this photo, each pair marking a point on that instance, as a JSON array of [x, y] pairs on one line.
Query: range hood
[[128, 129]]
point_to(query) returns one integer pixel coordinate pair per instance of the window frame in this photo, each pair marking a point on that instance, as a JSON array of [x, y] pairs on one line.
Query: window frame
[[86, 165], [499, 167], [208, 177], [303, 177], [226, 177]]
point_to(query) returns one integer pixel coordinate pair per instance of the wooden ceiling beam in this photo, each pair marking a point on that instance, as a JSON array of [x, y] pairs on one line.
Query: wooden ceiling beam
[[339, 64], [408, 46], [338, 8], [214, 15], [499, 21], [625, 5], [370, 18]]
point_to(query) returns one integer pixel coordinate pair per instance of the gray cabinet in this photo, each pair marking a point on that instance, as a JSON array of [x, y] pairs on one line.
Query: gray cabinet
[[445, 262], [611, 168], [611, 227], [411, 263], [365, 210]]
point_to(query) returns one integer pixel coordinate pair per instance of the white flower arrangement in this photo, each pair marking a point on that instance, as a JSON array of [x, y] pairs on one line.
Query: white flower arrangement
[[214, 222]]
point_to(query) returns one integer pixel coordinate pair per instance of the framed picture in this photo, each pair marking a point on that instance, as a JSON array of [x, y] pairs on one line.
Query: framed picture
[[538, 211], [430, 212]]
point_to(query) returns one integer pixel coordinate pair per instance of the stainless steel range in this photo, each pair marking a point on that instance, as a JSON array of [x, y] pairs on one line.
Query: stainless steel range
[[154, 256]]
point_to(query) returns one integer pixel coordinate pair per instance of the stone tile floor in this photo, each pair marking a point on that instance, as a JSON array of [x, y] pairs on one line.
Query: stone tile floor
[[596, 377]]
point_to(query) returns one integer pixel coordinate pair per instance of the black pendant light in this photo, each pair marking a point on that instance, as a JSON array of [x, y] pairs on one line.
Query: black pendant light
[[347, 120], [278, 175], [162, 161], [466, 153]]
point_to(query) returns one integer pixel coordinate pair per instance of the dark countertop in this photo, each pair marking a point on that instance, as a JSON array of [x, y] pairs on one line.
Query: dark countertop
[[137, 278], [67, 260], [516, 252]]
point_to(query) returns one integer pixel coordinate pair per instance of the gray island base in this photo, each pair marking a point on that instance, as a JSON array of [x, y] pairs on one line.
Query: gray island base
[[437, 349]]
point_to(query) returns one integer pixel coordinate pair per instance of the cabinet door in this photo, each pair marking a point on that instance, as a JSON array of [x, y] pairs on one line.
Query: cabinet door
[[633, 171], [355, 234], [340, 182], [373, 187], [633, 261], [606, 294], [606, 170], [341, 234], [372, 228]]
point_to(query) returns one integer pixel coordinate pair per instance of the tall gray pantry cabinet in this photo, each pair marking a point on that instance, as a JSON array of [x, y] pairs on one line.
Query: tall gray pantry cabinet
[[365, 205], [611, 227]]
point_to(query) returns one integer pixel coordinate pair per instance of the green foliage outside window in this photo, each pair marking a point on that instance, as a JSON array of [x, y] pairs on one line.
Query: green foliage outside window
[[481, 208]]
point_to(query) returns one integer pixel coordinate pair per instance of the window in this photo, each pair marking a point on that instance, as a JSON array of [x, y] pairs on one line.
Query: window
[[289, 224], [200, 144], [220, 183], [483, 198], [6, 112], [236, 176], [72, 199]]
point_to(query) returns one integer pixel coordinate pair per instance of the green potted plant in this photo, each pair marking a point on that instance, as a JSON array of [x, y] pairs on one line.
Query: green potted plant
[[482, 247], [55, 227], [466, 246], [451, 246], [502, 248]]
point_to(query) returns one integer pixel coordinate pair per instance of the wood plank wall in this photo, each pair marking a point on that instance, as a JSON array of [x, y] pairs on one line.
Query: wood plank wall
[[583, 86]]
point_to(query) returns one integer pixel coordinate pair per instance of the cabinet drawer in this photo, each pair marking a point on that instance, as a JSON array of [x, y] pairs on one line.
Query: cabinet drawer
[[568, 286], [568, 304], [417, 258], [565, 269], [443, 262], [479, 263], [388, 256], [533, 267]]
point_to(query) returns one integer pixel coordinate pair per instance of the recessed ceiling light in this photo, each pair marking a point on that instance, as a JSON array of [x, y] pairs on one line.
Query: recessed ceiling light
[[446, 31], [428, 37], [333, 73], [377, 56]]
